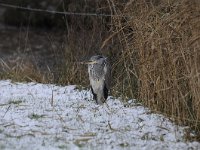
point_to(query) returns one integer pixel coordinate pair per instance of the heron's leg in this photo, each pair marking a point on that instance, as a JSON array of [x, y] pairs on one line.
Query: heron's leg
[[105, 92], [94, 95]]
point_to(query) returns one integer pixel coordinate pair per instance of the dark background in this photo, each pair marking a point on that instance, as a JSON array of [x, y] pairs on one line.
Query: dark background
[[48, 42]]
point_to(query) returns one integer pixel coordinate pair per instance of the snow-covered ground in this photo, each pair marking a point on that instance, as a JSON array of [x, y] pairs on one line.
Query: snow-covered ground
[[38, 116]]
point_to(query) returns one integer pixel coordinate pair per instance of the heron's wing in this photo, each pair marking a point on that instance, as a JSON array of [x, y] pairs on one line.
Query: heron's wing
[[105, 92], [107, 70]]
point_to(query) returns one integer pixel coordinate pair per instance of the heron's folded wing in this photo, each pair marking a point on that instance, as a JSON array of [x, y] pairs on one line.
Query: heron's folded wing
[[107, 70]]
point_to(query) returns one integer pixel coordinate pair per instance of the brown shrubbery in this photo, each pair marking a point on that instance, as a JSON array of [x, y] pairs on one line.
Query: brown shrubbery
[[161, 41]]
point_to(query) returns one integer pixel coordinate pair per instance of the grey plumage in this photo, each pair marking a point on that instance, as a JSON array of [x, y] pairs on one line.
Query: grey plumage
[[99, 75]]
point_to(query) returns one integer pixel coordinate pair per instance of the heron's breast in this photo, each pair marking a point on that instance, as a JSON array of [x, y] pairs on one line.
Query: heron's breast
[[97, 84]]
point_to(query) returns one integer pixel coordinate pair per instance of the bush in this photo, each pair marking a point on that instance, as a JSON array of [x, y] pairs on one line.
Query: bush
[[161, 49]]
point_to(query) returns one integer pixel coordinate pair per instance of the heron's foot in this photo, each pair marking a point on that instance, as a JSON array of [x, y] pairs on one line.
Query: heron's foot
[[100, 102]]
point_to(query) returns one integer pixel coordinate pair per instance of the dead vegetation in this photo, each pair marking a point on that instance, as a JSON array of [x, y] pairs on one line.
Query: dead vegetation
[[161, 48]]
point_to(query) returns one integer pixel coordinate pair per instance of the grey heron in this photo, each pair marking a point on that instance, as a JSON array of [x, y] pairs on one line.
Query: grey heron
[[99, 75]]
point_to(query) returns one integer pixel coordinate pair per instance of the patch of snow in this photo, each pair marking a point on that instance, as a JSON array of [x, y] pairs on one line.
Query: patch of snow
[[41, 116]]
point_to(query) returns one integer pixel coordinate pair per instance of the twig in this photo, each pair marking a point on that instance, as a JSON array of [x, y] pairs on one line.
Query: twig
[[7, 110]]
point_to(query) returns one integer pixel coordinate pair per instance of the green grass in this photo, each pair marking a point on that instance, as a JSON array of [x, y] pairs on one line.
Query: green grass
[[15, 102], [2, 147], [1, 130], [125, 144], [36, 116], [63, 147]]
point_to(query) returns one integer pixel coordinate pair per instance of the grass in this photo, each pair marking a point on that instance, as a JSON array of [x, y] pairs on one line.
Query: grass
[[2, 146], [15, 102], [81, 143], [36, 116], [161, 50], [124, 145], [1, 130], [63, 147]]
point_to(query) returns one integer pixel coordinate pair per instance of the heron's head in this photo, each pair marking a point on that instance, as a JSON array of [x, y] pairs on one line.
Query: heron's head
[[97, 59]]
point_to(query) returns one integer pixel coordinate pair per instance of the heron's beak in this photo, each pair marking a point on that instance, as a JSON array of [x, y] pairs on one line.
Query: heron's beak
[[89, 62]]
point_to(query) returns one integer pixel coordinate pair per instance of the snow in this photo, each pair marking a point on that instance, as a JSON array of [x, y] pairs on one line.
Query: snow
[[45, 116]]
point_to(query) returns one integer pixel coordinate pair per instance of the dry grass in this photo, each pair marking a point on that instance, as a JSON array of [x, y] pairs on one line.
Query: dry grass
[[21, 70], [162, 50]]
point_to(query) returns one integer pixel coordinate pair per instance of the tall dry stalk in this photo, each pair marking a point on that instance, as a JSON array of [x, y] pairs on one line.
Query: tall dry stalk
[[162, 50]]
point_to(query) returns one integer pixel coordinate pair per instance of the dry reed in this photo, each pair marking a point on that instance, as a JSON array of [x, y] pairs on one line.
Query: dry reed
[[161, 41]]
